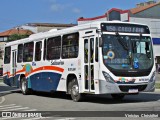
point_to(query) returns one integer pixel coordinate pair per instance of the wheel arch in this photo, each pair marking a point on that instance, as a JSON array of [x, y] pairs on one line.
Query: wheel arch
[[20, 77], [70, 77]]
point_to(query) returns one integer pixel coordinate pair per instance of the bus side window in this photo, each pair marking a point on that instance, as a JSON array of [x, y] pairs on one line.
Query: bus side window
[[28, 52], [7, 55], [38, 51], [20, 53], [44, 51], [53, 48], [70, 45]]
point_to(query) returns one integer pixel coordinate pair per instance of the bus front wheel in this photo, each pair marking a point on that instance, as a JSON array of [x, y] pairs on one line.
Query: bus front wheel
[[118, 96], [74, 90], [24, 86]]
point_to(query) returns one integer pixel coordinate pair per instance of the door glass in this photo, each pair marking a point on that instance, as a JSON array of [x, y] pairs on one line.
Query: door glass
[[14, 55], [86, 76], [92, 77], [86, 61], [92, 65], [89, 63], [85, 51], [96, 50], [91, 50]]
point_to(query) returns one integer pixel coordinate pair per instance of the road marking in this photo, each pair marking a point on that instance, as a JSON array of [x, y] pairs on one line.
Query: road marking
[[6, 118], [16, 109], [28, 118], [66, 119], [9, 118], [31, 110], [36, 118], [3, 99], [7, 105], [13, 107]]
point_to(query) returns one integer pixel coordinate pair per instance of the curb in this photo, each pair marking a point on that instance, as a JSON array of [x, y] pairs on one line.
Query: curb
[[157, 90]]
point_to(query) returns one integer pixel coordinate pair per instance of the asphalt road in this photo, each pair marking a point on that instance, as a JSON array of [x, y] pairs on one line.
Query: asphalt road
[[59, 101], [15, 101]]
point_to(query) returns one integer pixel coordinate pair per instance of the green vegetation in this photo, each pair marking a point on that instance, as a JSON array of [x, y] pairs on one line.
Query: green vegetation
[[17, 37], [157, 85]]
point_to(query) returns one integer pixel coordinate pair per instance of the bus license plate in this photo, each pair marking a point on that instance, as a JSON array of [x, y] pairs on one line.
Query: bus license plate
[[133, 91]]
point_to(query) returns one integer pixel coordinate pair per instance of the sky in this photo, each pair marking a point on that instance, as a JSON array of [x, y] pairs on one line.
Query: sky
[[18, 12]]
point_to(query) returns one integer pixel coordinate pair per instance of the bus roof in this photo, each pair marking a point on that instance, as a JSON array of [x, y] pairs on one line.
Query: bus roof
[[54, 32]]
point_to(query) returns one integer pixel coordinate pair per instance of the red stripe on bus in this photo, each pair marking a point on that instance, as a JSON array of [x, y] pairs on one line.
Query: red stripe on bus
[[53, 68], [6, 73], [20, 71], [36, 70], [45, 68]]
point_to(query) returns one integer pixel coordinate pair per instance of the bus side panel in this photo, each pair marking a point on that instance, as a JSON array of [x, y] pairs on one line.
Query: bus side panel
[[45, 81], [6, 74], [70, 67], [9, 80]]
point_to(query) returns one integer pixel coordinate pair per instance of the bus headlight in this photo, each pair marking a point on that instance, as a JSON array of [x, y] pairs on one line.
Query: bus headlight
[[152, 78], [108, 77]]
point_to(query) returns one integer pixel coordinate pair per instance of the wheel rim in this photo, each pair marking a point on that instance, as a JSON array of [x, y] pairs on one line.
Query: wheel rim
[[23, 85], [75, 90]]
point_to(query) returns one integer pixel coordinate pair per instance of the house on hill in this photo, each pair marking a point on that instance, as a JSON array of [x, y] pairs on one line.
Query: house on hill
[[5, 36]]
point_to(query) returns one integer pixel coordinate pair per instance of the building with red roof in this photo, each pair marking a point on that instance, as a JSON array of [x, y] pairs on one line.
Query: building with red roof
[[6, 34]]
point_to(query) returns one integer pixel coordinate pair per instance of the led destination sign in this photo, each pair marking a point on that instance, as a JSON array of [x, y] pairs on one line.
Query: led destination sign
[[125, 28]]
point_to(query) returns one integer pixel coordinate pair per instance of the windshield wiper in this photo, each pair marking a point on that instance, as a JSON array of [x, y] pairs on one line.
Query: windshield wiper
[[125, 47], [124, 44]]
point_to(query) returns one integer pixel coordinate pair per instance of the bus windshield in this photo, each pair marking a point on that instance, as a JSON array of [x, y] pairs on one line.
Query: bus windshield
[[125, 52]]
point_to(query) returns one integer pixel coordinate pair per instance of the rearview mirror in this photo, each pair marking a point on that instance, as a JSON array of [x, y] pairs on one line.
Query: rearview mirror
[[100, 42]]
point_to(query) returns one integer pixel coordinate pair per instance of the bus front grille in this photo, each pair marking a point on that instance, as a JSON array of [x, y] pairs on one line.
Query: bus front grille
[[125, 88]]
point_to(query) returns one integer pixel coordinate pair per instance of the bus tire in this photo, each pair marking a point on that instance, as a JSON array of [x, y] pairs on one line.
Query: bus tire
[[69, 87], [24, 86], [74, 90], [118, 96]]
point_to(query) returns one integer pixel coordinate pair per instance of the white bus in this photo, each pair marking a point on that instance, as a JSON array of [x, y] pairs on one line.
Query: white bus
[[96, 58]]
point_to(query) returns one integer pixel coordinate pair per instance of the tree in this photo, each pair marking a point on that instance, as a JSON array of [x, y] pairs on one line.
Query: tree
[[17, 37]]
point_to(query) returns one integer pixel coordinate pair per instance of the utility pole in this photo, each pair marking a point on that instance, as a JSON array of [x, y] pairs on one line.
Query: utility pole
[[18, 30]]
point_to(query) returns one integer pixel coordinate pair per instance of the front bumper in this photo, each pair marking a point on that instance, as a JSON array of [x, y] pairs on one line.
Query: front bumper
[[114, 88]]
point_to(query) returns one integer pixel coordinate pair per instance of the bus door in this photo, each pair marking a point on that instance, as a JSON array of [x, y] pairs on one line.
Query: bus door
[[89, 68], [13, 73]]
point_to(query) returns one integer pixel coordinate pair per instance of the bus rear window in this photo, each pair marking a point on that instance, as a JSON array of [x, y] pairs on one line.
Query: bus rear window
[[7, 55]]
